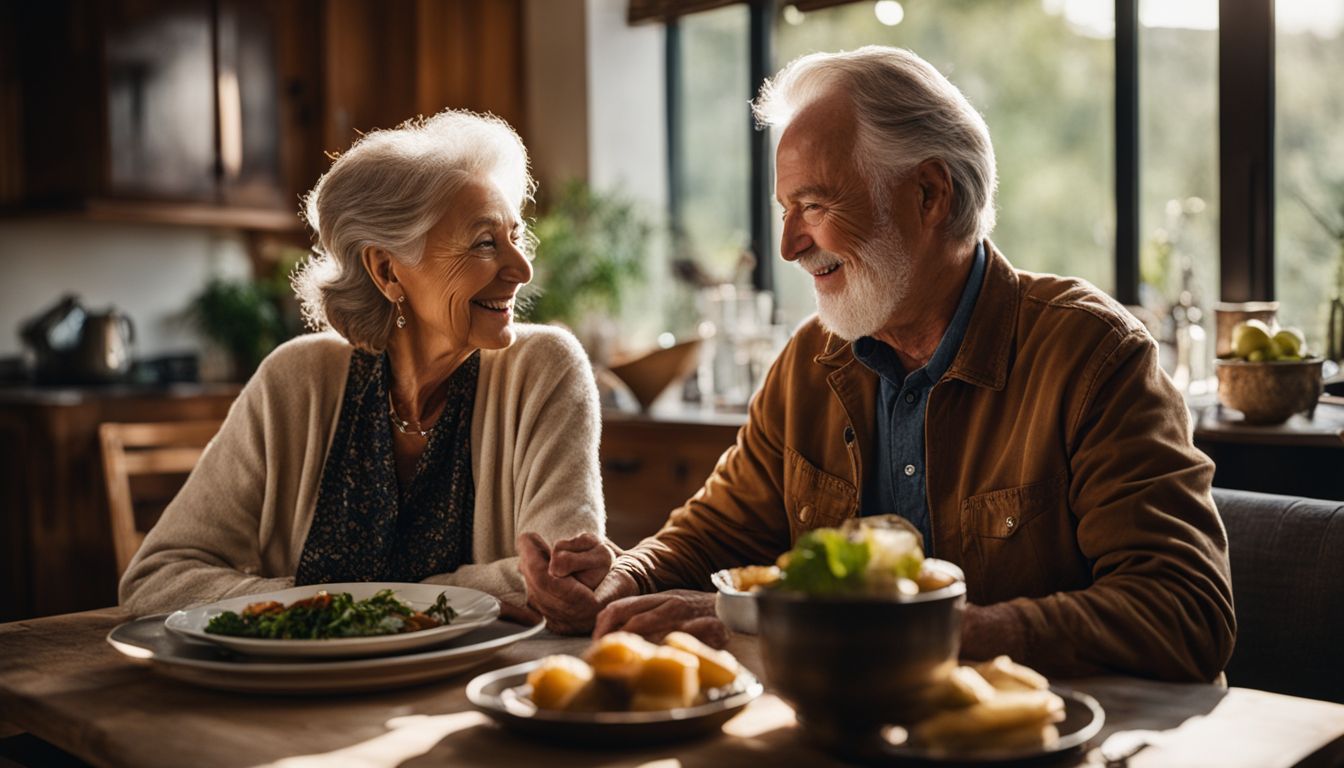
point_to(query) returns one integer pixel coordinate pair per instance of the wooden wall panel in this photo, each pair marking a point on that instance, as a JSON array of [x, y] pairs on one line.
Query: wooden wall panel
[[389, 61]]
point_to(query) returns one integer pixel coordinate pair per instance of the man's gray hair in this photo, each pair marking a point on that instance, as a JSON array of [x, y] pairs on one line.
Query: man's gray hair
[[906, 113], [387, 191]]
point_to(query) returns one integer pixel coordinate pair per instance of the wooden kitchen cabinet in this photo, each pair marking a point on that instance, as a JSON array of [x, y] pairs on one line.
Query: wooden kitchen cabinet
[[163, 109], [652, 465], [225, 112], [57, 542]]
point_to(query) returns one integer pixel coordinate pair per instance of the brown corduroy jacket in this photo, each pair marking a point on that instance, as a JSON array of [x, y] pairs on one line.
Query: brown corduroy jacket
[[1060, 476]]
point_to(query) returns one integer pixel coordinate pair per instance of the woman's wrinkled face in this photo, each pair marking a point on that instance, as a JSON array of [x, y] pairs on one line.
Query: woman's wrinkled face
[[464, 287]]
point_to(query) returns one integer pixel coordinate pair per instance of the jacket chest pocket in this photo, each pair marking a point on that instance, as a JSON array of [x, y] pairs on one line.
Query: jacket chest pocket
[[814, 498], [1020, 542]]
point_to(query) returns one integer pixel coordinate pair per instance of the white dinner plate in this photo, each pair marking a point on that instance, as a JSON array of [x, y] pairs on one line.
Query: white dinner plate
[[146, 641], [474, 609]]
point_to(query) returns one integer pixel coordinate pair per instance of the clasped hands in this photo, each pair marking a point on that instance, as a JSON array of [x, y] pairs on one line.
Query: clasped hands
[[571, 583]]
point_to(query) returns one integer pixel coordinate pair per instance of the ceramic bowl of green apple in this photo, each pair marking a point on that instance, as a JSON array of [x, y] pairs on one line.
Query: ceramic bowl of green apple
[[1270, 374]]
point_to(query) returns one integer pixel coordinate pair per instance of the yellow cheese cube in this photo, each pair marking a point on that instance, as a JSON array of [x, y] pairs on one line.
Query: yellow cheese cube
[[619, 656], [558, 680], [668, 680], [717, 668]]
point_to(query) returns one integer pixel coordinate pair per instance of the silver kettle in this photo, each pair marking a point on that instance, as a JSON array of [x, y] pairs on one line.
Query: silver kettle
[[72, 345]]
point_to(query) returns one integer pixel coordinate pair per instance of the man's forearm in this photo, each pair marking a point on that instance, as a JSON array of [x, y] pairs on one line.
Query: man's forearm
[[991, 630]]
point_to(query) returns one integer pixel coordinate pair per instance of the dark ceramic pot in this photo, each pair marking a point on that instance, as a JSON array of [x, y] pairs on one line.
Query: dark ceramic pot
[[852, 664]]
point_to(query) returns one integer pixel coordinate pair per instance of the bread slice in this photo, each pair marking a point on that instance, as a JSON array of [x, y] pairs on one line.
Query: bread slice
[[1006, 710], [1006, 675]]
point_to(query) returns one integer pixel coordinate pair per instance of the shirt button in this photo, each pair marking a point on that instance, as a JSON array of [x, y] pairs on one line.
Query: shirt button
[[909, 470], [910, 397], [805, 514]]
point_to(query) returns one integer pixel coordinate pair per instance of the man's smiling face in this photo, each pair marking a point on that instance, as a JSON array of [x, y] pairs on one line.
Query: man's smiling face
[[856, 256]]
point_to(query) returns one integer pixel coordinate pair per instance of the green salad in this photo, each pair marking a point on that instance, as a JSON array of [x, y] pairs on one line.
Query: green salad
[[876, 554], [325, 615]]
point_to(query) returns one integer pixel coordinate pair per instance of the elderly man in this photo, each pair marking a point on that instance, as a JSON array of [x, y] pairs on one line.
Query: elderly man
[[1020, 420]]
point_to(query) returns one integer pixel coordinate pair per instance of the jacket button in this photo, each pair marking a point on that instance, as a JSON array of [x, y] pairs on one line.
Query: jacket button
[[1010, 522], [909, 470], [805, 514], [849, 435]]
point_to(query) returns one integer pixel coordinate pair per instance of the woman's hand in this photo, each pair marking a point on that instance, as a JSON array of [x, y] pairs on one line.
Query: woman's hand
[[518, 614], [653, 616]]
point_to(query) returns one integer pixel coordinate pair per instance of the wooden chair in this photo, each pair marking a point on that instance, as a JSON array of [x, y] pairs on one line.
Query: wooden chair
[[157, 454]]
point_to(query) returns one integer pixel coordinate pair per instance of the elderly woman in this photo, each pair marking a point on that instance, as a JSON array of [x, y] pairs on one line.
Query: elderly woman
[[426, 430]]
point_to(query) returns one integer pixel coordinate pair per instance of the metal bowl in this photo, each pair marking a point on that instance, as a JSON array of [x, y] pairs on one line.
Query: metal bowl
[[735, 608], [1269, 392], [850, 664]]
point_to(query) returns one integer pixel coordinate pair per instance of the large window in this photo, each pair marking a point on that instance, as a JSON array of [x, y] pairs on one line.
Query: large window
[[1309, 162], [1178, 177], [1171, 96], [1042, 81], [714, 130]]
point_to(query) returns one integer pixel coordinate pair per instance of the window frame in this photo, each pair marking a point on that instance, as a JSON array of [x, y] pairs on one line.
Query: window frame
[[1245, 131]]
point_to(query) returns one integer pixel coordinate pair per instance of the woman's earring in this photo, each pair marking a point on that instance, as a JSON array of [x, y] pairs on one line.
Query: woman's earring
[[401, 318]]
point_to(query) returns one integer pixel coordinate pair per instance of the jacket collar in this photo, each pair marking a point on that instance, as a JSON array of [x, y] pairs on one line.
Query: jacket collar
[[985, 352]]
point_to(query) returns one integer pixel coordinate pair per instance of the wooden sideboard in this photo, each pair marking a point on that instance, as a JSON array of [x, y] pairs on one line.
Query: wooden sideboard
[[1301, 457], [651, 464], [57, 542]]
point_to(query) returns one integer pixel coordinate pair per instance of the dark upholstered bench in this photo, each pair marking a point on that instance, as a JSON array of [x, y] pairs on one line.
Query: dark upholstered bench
[[1288, 587]]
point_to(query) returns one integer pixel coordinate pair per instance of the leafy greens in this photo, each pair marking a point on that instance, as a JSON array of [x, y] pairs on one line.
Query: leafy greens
[[325, 616]]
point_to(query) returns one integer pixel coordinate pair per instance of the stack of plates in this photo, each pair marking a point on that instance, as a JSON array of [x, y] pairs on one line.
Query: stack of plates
[[179, 647]]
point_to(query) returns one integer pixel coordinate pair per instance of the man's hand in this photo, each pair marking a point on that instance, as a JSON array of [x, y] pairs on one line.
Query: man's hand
[[653, 616], [586, 557]]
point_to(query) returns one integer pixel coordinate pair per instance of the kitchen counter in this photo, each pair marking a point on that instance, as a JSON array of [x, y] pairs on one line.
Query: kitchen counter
[[33, 394]]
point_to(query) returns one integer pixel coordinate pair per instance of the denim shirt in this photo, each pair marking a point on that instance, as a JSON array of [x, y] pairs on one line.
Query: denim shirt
[[896, 483]]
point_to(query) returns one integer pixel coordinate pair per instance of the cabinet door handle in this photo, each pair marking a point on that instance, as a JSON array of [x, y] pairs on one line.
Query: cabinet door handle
[[623, 466]]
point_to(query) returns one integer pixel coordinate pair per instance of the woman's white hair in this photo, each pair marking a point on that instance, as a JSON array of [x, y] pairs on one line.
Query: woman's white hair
[[906, 113], [387, 191]]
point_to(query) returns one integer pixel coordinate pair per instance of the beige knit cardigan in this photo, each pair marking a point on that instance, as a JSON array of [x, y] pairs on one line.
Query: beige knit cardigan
[[239, 523]]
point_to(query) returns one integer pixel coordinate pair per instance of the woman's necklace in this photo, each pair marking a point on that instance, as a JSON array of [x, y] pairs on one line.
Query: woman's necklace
[[403, 426]]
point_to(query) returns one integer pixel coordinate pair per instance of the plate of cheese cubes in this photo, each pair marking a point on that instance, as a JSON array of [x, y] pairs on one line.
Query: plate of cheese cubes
[[624, 690]]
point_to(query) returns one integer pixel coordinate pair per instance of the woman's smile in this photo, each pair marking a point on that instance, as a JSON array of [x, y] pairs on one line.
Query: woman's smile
[[501, 306]]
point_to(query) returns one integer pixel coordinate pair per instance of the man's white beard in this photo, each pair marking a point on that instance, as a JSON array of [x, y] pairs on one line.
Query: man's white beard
[[877, 280]]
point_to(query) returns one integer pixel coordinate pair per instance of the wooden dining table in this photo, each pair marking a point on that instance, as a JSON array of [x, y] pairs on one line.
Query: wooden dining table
[[63, 684]]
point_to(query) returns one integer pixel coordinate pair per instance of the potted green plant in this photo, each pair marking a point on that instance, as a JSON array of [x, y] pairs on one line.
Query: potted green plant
[[248, 318], [591, 249]]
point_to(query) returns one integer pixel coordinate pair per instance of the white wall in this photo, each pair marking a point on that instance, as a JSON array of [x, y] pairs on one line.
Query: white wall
[[149, 272], [556, 95], [627, 146], [627, 136]]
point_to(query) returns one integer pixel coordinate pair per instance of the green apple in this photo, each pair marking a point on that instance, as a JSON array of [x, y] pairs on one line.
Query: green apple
[[1291, 342], [1252, 336]]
